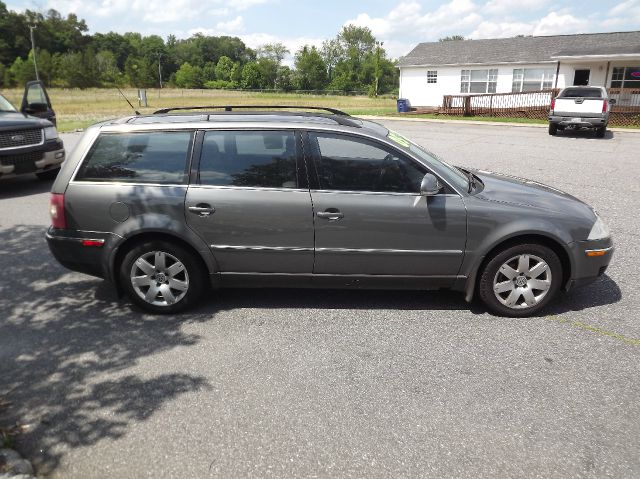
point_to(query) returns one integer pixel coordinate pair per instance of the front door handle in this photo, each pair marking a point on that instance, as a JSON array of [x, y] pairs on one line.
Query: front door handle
[[202, 209], [331, 214]]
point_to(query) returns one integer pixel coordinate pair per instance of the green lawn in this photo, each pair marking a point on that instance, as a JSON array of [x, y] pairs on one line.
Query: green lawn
[[76, 109]]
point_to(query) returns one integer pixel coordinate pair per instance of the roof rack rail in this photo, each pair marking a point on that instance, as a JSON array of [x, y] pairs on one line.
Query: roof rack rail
[[250, 107]]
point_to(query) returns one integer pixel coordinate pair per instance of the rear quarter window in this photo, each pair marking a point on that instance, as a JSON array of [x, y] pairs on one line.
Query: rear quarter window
[[141, 157]]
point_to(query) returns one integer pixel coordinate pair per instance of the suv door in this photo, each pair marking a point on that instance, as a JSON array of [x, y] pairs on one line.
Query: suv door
[[371, 218], [249, 200], [35, 101]]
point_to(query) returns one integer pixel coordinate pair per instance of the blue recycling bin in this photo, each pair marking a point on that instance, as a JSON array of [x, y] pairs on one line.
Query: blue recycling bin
[[403, 105]]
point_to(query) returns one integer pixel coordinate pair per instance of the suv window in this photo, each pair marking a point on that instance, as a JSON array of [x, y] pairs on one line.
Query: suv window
[[353, 164], [264, 159], [149, 157]]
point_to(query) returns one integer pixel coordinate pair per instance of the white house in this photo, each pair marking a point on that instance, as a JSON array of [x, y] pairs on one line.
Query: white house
[[520, 64]]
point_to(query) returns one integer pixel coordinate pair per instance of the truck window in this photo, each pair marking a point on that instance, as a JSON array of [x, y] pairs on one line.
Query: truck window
[[581, 93]]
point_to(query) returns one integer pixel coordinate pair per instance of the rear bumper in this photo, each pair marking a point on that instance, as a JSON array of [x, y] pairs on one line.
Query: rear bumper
[[68, 248], [579, 122], [587, 269]]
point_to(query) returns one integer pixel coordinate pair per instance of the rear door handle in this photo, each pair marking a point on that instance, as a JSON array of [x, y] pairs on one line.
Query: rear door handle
[[202, 209], [331, 214]]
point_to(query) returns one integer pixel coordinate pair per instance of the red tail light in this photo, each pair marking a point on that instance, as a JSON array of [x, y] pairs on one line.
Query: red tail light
[[605, 104], [553, 104], [56, 210]]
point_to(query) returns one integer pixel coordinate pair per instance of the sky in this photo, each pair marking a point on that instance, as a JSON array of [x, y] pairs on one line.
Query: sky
[[401, 25]]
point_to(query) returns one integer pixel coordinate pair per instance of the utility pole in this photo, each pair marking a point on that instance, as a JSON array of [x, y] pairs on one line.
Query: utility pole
[[33, 49], [378, 45], [160, 69]]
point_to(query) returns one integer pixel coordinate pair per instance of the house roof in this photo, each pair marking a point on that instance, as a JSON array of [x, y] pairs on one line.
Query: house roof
[[521, 49]]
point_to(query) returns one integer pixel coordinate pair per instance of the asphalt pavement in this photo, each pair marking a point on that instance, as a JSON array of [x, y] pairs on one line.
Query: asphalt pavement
[[313, 383]]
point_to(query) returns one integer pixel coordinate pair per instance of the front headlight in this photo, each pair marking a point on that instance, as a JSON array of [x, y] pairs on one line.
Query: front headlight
[[599, 230], [50, 133]]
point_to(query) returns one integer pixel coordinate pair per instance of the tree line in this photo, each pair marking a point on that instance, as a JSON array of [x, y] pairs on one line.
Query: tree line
[[67, 56]]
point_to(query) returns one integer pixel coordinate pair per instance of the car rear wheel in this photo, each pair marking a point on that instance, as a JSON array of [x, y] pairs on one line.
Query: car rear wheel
[[162, 277], [600, 132], [553, 128], [521, 280]]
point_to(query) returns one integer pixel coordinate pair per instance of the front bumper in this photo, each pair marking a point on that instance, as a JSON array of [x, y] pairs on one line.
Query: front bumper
[[69, 248], [48, 156], [579, 122], [590, 261]]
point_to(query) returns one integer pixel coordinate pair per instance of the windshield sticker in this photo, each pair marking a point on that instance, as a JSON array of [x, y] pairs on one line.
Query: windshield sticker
[[399, 139]]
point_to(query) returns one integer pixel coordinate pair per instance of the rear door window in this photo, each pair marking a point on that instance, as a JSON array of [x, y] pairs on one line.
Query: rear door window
[[146, 157], [261, 159]]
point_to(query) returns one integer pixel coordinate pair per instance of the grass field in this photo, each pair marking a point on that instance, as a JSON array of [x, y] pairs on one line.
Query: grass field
[[77, 109]]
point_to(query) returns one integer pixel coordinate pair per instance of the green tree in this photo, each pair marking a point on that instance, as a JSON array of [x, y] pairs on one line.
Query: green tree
[[224, 68], [188, 76], [312, 71], [108, 70], [451, 38], [22, 71], [140, 72], [273, 51], [251, 76], [284, 78]]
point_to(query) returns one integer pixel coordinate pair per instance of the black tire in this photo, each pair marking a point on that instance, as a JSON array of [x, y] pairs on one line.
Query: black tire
[[492, 271], [48, 175], [600, 132], [193, 275], [553, 129]]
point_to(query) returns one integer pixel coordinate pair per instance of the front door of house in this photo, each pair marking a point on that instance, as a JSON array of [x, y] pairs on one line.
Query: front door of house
[[581, 77]]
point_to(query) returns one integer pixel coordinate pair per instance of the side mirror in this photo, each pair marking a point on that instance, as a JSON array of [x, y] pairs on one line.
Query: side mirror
[[430, 185], [612, 101]]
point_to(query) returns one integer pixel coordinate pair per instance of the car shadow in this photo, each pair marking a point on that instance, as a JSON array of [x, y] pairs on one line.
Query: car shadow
[[25, 185], [571, 133], [68, 344]]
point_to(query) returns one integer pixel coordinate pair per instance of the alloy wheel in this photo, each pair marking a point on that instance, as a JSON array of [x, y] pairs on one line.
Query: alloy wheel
[[522, 281], [159, 278]]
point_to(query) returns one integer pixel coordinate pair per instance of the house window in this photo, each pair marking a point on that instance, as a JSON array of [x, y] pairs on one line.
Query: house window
[[432, 76], [478, 81], [532, 79], [625, 77]]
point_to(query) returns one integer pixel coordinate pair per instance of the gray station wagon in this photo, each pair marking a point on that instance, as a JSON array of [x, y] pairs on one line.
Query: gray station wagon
[[169, 204]]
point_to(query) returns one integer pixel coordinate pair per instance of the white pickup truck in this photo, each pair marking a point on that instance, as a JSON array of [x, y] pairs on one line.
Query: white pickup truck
[[580, 107]]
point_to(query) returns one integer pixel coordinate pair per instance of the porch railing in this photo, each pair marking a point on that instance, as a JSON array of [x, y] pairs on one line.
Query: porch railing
[[536, 104]]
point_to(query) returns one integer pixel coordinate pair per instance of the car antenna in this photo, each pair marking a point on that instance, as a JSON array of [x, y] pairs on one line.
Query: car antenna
[[127, 100]]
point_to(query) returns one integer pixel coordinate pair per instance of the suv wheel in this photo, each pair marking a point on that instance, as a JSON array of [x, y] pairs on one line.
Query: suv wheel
[[162, 277], [521, 280], [553, 128], [601, 131]]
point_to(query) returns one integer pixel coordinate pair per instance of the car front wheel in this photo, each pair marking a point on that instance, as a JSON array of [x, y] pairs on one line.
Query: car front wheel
[[162, 277], [521, 280]]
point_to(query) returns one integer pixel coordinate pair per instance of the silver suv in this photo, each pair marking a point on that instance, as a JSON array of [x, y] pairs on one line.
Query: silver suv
[[169, 204]]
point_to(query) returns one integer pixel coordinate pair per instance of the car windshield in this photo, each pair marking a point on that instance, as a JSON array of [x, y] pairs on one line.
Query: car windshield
[[5, 105], [457, 177]]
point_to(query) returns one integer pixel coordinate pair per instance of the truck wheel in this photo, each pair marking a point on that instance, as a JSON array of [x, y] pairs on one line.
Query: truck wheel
[[521, 280], [600, 132], [553, 129]]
